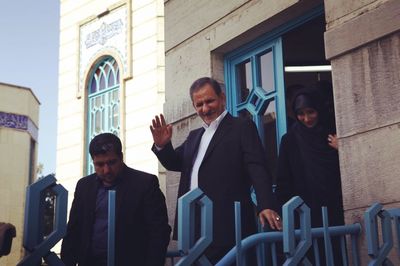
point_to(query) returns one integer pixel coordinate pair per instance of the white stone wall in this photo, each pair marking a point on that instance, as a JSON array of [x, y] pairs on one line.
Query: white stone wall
[[141, 85], [362, 42]]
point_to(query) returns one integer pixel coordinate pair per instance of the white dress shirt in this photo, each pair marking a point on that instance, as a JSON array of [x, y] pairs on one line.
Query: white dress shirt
[[204, 142]]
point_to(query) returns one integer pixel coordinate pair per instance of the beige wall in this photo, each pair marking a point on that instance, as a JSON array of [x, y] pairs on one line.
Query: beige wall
[[363, 43], [141, 87], [15, 163], [19, 100]]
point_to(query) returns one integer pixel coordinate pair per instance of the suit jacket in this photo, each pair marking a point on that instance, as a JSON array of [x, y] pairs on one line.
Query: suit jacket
[[141, 232], [234, 161]]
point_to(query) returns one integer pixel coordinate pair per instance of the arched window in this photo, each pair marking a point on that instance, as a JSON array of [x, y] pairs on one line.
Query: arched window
[[103, 102]]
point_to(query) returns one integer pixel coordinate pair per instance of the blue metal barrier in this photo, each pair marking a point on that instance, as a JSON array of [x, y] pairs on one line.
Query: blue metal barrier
[[187, 244], [276, 238], [172, 254], [295, 254], [111, 228], [34, 241], [395, 214], [377, 252], [295, 242]]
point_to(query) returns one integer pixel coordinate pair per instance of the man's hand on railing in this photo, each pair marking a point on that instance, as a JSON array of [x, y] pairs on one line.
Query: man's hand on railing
[[270, 216]]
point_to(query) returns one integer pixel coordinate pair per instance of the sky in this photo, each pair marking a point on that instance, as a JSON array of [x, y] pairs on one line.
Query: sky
[[29, 42]]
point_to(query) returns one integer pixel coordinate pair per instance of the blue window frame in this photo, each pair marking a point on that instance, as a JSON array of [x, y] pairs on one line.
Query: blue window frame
[[255, 89], [256, 86], [103, 102], [254, 77]]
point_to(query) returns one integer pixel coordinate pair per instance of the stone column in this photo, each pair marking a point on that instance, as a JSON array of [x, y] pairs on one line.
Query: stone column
[[363, 43]]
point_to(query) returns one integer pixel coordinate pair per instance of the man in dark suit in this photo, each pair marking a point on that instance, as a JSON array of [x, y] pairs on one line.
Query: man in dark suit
[[224, 159], [141, 232]]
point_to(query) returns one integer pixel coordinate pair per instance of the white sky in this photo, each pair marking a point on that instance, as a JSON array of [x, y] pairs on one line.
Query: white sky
[[29, 42]]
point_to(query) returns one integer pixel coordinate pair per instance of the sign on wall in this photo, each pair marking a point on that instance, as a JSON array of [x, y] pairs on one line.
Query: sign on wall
[[19, 122], [100, 36]]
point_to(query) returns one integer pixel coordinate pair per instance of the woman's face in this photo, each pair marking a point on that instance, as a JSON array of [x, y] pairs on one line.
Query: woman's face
[[308, 116]]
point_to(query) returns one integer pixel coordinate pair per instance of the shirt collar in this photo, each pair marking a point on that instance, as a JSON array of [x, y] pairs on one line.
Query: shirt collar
[[214, 124]]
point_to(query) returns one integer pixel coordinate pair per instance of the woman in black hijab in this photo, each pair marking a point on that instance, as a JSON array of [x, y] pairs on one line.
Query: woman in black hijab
[[308, 164]]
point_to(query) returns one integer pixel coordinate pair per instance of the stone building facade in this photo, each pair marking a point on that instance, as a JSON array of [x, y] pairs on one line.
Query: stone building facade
[[111, 79], [259, 48]]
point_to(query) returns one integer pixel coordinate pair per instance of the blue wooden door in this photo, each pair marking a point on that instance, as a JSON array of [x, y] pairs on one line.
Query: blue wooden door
[[256, 90]]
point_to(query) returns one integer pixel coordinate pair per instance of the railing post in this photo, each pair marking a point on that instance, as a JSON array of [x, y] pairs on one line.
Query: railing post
[[327, 238], [192, 249], [34, 241], [111, 228], [295, 254], [376, 252], [238, 235], [395, 214]]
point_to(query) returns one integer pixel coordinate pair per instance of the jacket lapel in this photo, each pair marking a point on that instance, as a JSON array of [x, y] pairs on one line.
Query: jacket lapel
[[120, 191], [222, 129], [91, 197], [194, 144]]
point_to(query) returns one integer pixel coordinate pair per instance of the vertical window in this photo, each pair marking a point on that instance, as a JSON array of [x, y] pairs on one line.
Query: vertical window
[[256, 91], [103, 102]]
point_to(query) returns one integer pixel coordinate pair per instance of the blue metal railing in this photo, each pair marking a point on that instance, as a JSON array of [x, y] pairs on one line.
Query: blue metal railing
[[274, 238], [111, 228], [305, 237], [395, 215], [296, 244], [36, 244]]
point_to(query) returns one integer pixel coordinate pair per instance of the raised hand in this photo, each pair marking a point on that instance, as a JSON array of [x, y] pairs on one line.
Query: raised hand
[[162, 133]]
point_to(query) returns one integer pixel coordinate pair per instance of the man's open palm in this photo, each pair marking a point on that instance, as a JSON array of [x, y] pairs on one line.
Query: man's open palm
[[162, 133]]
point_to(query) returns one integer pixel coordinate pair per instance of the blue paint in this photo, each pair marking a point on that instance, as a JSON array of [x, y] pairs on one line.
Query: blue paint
[[377, 252], [395, 214], [34, 240], [101, 102], [192, 248], [111, 228], [238, 234], [327, 238], [289, 237], [295, 253]]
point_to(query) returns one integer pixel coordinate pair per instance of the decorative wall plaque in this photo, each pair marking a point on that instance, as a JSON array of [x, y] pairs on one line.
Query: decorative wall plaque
[[105, 35]]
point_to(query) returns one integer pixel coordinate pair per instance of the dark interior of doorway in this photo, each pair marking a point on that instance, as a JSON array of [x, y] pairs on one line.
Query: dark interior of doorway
[[304, 47]]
